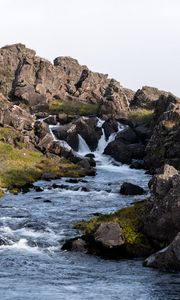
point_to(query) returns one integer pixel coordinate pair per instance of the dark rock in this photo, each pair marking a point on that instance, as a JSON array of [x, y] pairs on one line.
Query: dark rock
[[168, 259], [38, 188], [52, 120], [76, 244], [72, 180], [110, 126], [162, 221], [119, 151], [137, 164], [47, 201], [128, 188], [90, 155], [137, 150], [127, 136]]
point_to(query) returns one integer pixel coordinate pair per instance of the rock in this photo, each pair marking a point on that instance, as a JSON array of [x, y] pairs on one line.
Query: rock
[[145, 97], [34, 82], [38, 188], [110, 126], [76, 244], [109, 234], [137, 164], [52, 120], [62, 118], [3, 241], [90, 155], [128, 188], [168, 259], [160, 184], [119, 151], [162, 221], [72, 180], [127, 136], [164, 144], [48, 176]]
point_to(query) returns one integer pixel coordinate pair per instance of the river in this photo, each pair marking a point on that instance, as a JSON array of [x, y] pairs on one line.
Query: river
[[36, 224]]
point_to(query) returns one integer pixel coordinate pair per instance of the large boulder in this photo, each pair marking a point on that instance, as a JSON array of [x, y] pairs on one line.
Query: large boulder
[[161, 221], [119, 151], [168, 259]]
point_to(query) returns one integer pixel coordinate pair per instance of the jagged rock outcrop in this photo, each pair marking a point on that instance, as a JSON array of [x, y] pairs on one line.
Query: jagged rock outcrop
[[145, 97], [33, 82], [161, 221], [164, 144]]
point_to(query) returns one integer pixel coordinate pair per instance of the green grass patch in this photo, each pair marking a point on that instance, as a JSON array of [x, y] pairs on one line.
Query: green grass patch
[[73, 108], [141, 115], [21, 166]]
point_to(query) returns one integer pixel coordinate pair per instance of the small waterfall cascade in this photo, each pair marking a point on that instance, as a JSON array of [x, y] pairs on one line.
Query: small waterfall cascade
[[63, 144], [83, 147]]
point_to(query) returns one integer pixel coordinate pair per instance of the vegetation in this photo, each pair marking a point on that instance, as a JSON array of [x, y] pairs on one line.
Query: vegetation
[[22, 166], [73, 108], [130, 221], [141, 115]]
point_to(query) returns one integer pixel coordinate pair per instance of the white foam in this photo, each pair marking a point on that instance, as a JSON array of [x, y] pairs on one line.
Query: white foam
[[21, 245]]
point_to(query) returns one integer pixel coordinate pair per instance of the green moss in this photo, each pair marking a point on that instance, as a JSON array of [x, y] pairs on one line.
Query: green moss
[[141, 115], [130, 221], [22, 166], [73, 108]]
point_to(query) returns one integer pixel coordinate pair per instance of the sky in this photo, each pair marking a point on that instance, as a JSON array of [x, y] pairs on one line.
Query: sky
[[137, 42]]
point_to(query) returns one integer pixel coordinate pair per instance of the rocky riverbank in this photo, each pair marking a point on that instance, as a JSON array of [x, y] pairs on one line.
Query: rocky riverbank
[[47, 110]]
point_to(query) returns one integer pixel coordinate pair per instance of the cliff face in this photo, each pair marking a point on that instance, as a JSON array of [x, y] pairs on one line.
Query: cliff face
[[33, 81]]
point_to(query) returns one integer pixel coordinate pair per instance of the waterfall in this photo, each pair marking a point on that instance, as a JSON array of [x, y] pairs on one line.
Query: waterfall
[[63, 144], [83, 147]]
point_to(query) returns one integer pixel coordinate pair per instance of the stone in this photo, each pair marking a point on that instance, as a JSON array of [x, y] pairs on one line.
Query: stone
[[109, 234], [119, 151], [128, 188], [167, 259], [162, 221], [76, 244]]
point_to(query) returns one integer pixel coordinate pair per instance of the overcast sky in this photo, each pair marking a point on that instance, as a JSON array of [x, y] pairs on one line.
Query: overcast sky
[[134, 41]]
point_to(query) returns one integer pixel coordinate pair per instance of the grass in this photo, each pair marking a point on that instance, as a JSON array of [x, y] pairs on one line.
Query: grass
[[170, 124], [130, 221], [141, 115], [73, 108], [21, 166]]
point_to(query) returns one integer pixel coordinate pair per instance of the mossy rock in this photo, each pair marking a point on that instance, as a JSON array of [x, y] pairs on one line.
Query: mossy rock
[[129, 219]]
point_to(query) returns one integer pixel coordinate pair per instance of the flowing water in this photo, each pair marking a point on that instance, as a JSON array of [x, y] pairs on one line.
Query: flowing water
[[36, 224]]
